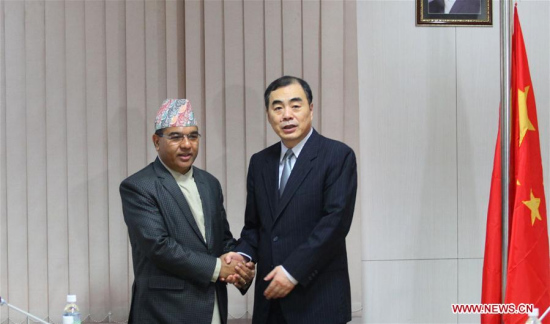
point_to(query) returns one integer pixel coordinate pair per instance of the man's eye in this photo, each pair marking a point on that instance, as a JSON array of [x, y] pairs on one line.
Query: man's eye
[[175, 137], [193, 136]]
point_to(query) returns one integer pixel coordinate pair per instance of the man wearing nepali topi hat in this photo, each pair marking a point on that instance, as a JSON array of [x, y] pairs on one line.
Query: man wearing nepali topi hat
[[178, 230]]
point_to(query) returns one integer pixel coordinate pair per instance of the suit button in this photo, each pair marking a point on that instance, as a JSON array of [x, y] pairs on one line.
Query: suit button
[[275, 239]]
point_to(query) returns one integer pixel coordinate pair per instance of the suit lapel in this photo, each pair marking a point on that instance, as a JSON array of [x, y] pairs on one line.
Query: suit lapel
[[301, 169], [205, 201], [271, 177], [171, 185]]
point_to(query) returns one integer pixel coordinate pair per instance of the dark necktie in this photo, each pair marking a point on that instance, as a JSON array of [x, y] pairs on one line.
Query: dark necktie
[[287, 168]]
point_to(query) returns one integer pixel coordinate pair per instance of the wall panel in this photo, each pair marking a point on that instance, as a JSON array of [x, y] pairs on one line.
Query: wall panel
[[477, 126], [175, 48], [36, 148], [235, 193], [351, 137], [409, 132], [312, 51], [3, 173], [56, 150], [77, 155], [292, 37], [96, 117], [273, 42], [470, 272], [429, 99], [155, 67], [138, 139], [214, 134], [16, 154], [254, 76], [332, 69], [194, 67], [116, 155], [419, 291]]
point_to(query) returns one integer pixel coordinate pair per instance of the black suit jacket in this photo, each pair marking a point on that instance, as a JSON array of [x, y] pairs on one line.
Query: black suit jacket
[[173, 265], [304, 230], [459, 7]]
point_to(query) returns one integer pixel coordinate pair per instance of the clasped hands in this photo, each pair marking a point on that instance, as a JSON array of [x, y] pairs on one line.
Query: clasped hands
[[235, 270]]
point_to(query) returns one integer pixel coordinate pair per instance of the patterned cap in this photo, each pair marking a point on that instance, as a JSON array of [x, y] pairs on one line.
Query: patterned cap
[[175, 113]]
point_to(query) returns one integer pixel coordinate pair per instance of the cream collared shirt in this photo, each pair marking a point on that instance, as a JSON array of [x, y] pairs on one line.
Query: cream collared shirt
[[189, 189]]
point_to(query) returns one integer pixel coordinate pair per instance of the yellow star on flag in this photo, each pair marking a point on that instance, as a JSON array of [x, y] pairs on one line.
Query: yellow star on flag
[[524, 122], [533, 205]]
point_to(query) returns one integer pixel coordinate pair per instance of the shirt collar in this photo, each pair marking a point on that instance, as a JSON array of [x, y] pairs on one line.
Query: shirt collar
[[179, 176], [296, 149]]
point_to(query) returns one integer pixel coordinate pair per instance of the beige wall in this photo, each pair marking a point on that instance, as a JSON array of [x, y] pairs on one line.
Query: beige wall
[[429, 100], [80, 82]]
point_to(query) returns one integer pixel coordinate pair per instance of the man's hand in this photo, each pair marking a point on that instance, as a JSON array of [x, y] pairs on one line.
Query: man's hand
[[280, 285], [228, 257], [227, 269], [244, 275]]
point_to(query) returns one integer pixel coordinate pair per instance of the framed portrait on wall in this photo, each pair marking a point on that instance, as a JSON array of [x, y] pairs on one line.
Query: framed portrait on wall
[[454, 12]]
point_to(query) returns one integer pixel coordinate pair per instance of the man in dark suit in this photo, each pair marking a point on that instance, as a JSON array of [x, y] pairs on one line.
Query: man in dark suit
[[178, 229], [455, 7], [299, 208]]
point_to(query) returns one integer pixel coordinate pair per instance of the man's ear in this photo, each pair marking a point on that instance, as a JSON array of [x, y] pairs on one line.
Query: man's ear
[[156, 140]]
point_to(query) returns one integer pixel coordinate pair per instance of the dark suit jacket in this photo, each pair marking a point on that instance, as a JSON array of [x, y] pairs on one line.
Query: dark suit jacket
[[460, 7], [173, 265], [304, 230]]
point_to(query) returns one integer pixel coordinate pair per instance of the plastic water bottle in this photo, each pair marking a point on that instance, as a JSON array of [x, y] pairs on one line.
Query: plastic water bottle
[[533, 317], [68, 320], [71, 310]]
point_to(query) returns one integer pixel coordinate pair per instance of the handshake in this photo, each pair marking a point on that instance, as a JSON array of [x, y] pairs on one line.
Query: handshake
[[236, 270]]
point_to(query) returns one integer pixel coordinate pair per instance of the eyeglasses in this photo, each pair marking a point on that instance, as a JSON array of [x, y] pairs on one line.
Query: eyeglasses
[[176, 138]]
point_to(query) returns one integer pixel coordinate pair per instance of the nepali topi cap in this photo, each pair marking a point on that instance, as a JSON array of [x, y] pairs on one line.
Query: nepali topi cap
[[175, 113]]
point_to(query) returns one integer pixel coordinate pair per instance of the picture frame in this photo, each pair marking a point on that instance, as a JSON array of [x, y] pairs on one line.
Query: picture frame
[[462, 13]]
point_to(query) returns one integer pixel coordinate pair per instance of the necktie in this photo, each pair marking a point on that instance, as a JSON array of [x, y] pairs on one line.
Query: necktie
[[287, 168]]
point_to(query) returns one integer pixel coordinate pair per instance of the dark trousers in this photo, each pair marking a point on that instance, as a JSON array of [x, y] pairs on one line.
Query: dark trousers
[[275, 315]]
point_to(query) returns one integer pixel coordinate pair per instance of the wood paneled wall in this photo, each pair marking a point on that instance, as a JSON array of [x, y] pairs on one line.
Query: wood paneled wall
[[80, 83]]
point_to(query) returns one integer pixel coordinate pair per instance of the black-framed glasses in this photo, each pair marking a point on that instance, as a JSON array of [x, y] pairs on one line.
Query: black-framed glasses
[[176, 138]]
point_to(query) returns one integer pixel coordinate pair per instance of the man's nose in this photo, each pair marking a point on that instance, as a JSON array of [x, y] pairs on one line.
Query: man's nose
[[185, 142], [287, 113]]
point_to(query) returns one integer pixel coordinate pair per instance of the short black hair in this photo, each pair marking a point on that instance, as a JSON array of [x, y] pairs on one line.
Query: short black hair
[[283, 82]]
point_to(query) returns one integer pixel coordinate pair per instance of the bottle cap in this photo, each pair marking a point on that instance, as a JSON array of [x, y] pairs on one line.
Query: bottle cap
[[71, 298], [68, 320], [534, 313]]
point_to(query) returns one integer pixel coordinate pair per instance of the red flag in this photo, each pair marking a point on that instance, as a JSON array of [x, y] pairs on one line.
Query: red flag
[[528, 273], [492, 265]]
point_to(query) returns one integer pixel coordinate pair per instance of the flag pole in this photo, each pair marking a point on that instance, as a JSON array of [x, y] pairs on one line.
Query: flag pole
[[506, 19]]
